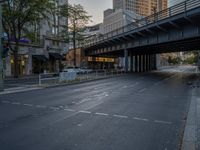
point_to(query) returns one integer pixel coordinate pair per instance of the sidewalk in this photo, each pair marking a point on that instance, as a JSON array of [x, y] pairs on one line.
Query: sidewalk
[[191, 139], [20, 89]]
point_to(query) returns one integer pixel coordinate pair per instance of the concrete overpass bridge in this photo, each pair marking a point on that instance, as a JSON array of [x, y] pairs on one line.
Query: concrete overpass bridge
[[171, 30]]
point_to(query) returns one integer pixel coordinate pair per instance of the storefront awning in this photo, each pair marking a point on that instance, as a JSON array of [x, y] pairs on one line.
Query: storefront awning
[[55, 55], [40, 57]]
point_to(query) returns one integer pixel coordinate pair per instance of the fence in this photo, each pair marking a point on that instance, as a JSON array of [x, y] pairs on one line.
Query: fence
[[72, 77]]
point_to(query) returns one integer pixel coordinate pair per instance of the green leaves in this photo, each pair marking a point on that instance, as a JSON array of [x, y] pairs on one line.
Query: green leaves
[[78, 18], [18, 14]]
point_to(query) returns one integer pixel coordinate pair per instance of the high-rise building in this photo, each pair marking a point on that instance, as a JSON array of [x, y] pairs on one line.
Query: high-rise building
[[141, 7], [174, 2]]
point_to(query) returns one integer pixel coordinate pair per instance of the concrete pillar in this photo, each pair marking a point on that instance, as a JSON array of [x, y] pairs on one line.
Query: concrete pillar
[[131, 62], [136, 63], [29, 65], [8, 66], [126, 60], [144, 60], [149, 59], [147, 62], [155, 62], [140, 63]]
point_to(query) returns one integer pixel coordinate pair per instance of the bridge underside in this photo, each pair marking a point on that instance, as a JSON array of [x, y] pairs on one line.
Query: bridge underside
[[178, 33]]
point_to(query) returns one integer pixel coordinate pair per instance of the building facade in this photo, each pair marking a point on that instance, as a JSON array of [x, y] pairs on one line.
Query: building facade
[[141, 7], [174, 2], [118, 19], [43, 55]]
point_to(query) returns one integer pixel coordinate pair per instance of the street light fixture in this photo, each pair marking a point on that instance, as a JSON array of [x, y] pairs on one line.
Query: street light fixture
[[1, 50]]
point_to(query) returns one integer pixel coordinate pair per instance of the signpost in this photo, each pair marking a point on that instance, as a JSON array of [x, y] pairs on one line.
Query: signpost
[[1, 50]]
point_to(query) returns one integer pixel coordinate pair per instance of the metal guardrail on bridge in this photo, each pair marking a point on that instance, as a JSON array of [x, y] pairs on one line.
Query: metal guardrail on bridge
[[167, 13]]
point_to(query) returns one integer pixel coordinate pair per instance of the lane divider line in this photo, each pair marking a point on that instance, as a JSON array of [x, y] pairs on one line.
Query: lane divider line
[[30, 105], [101, 114], [120, 116], [141, 119], [72, 110], [16, 103], [162, 122], [85, 112], [6, 102]]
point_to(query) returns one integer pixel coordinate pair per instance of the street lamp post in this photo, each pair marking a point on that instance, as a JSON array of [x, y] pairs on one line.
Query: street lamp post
[[1, 50]]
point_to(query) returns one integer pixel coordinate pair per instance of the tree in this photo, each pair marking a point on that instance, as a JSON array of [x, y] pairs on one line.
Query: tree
[[78, 18], [18, 17]]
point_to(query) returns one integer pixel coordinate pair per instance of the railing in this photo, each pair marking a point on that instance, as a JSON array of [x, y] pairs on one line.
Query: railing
[[72, 77], [172, 11]]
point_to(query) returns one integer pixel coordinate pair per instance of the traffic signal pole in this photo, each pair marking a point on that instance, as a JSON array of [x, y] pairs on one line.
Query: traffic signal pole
[[1, 58]]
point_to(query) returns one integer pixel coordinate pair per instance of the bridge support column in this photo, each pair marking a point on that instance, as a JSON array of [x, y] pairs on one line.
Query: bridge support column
[[136, 63], [147, 62], [155, 62], [151, 62], [144, 66], [131, 62], [126, 60], [140, 63]]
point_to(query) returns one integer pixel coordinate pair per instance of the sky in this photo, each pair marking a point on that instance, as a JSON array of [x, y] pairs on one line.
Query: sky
[[94, 8]]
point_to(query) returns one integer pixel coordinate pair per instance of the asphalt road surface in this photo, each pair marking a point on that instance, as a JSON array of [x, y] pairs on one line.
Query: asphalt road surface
[[132, 112]]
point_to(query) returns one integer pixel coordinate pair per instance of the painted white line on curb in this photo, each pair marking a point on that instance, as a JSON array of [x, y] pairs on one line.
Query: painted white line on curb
[[120, 116], [72, 110], [101, 114], [141, 119], [85, 112], [162, 122]]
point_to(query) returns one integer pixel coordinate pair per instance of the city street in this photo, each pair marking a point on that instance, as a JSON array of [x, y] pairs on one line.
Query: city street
[[144, 111]]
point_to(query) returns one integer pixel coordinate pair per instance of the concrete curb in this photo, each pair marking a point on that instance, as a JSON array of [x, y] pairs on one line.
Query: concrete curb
[[190, 134]]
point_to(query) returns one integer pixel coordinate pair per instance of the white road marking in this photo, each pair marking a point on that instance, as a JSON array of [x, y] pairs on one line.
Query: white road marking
[[54, 108], [142, 90], [84, 100], [16, 103], [6, 102], [162, 122], [30, 105], [101, 114], [72, 110], [120, 116], [141, 119], [85, 112], [124, 87], [40, 106]]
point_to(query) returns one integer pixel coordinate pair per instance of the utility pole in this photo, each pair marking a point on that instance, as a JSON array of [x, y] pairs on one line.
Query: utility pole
[[198, 63], [1, 50]]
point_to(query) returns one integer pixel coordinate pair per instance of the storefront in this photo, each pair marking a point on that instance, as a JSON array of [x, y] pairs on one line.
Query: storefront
[[100, 62], [39, 64], [54, 62]]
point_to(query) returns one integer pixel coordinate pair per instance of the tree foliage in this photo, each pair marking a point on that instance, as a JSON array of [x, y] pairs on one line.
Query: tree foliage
[[78, 18], [19, 16]]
